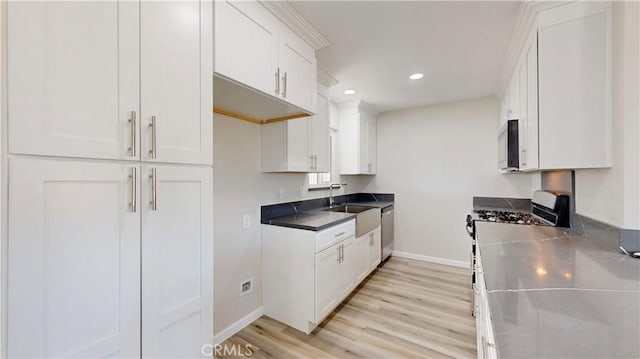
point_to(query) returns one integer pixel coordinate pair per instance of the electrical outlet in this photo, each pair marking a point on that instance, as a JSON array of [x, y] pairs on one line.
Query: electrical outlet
[[246, 221], [246, 287]]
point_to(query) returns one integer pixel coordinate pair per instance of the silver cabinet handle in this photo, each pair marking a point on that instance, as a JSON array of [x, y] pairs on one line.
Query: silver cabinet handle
[[154, 137], [132, 121], [154, 190], [339, 256], [342, 253], [134, 189], [278, 81], [371, 239], [284, 85], [338, 234]]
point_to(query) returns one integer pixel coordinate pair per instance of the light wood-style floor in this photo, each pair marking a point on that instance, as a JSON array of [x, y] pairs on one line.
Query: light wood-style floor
[[405, 309]]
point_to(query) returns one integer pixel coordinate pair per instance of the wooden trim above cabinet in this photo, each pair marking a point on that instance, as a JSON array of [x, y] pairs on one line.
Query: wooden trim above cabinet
[[255, 120]]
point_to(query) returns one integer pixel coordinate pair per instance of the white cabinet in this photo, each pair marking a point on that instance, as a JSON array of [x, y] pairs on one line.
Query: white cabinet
[[73, 80], [74, 261], [346, 275], [297, 68], [255, 51], [560, 89], [121, 65], [369, 249], [298, 145], [374, 241], [326, 286], [319, 137], [527, 110], [109, 258], [246, 44], [574, 51], [308, 274], [358, 139], [486, 343], [80, 226], [177, 260], [176, 94]]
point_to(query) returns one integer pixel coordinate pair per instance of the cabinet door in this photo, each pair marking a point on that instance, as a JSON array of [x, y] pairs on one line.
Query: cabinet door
[[246, 44], [361, 257], [177, 260], [529, 104], [320, 140], [297, 62], [363, 147], [176, 83], [73, 71], [372, 143], [575, 86], [74, 260], [297, 151], [514, 96], [347, 269], [326, 288], [374, 242]]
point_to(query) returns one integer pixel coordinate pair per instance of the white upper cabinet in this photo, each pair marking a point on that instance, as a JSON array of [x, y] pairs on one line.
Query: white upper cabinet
[[575, 86], [560, 89], [263, 70], [358, 139], [74, 262], [298, 145], [130, 80], [176, 93], [246, 44], [73, 75], [297, 67], [320, 141], [527, 73]]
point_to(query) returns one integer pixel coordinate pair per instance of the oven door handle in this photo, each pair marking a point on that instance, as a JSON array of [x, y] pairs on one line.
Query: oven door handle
[[470, 226]]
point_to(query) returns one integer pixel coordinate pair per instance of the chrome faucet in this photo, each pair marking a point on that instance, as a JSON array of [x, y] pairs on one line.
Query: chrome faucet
[[331, 187]]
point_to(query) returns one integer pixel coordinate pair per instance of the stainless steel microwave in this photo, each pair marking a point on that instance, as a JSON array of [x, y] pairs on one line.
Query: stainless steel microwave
[[508, 147]]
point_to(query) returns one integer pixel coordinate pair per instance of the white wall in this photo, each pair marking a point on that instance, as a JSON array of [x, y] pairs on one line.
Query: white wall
[[241, 188], [613, 195], [435, 159]]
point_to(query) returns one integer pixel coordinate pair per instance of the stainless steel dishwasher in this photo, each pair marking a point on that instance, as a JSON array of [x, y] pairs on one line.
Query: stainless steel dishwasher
[[386, 221]]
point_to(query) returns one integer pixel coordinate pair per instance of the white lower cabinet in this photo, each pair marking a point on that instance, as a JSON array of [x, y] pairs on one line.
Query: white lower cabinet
[[308, 274], [369, 243], [89, 241], [486, 344]]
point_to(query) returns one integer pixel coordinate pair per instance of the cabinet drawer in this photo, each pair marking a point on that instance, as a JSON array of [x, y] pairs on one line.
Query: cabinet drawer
[[326, 238]]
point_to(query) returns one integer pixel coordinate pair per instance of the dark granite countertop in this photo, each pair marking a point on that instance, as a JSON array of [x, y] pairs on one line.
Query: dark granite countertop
[[555, 293], [314, 220], [311, 215]]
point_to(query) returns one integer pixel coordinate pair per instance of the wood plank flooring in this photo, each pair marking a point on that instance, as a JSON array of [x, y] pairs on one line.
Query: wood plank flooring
[[404, 309]]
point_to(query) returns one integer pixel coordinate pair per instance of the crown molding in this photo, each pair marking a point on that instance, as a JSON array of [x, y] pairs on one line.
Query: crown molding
[[326, 79], [284, 11], [524, 25]]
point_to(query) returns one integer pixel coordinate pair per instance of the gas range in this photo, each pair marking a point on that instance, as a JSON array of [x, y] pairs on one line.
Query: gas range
[[547, 209], [511, 217]]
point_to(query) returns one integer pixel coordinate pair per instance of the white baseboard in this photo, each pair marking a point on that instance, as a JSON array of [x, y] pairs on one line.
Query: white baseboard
[[420, 257], [231, 330]]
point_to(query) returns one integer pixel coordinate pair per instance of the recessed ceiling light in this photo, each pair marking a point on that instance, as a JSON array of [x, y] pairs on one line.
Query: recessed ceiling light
[[349, 92], [417, 76]]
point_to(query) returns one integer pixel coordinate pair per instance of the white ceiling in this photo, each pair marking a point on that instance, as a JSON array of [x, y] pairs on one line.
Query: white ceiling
[[375, 45]]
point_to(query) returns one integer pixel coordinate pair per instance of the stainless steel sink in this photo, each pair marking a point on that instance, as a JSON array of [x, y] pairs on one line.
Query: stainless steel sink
[[367, 218]]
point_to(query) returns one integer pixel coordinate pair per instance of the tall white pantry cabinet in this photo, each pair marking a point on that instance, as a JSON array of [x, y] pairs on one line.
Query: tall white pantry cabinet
[[108, 153]]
